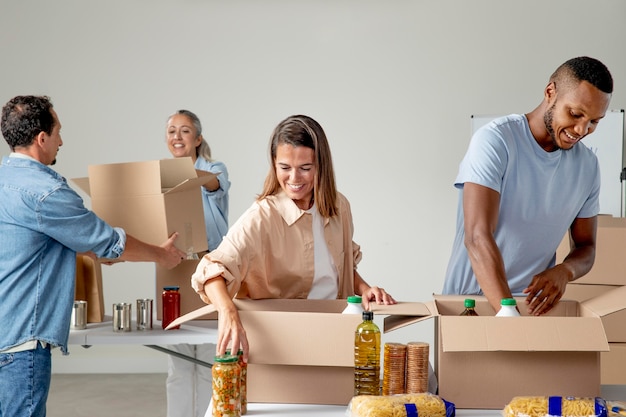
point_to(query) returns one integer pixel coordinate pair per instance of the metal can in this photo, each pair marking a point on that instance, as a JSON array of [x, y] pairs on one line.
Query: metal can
[[121, 317], [144, 314], [171, 306], [226, 376], [79, 315]]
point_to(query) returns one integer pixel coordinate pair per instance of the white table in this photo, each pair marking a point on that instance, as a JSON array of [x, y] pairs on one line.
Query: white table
[[317, 410], [193, 333]]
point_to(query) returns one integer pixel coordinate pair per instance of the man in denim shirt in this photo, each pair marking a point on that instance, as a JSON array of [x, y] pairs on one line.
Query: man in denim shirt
[[43, 224]]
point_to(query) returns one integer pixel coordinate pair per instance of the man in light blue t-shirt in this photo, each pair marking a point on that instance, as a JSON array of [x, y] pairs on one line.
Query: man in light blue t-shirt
[[522, 184]]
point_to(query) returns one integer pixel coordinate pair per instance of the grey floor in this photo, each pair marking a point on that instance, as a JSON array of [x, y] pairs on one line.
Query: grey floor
[[106, 395]]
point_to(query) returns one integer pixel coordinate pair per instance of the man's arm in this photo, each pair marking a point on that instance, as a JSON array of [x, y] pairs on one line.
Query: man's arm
[[547, 288], [481, 207], [166, 255]]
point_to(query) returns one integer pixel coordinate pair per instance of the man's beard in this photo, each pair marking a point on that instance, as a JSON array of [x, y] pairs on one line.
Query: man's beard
[[548, 118]]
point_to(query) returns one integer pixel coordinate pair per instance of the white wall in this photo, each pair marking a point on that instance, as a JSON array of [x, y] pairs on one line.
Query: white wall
[[393, 83]]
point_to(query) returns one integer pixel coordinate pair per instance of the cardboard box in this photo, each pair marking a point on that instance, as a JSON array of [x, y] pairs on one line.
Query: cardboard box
[[582, 292], [151, 200], [482, 362], [301, 351], [614, 364], [180, 276], [609, 267]]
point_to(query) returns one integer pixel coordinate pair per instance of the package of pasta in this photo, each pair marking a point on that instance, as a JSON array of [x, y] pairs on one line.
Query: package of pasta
[[401, 405], [556, 406]]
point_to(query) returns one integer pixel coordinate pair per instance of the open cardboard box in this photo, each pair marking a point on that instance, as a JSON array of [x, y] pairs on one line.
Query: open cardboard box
[[609, 267], [151, 200], [301, 351], [305, 347], [483, 362]]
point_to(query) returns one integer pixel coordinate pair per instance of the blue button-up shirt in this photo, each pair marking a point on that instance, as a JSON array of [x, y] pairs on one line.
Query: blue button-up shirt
[[43, 224]]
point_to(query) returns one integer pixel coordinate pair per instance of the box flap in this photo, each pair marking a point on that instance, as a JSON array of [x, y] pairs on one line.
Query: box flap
[[83, 184], [176, 170], [403, 314], [189, 184], [139, 178], [526, 334], [610, 302]]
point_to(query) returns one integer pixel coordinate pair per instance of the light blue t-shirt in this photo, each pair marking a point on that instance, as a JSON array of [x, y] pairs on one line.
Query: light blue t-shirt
[[215, 203], [541, 193]]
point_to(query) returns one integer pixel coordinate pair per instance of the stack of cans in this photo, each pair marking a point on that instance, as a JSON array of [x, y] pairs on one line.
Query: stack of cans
[[417, 367]]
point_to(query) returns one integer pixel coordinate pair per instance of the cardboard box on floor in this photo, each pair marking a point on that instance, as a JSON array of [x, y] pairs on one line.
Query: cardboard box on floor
[[483, 362], [150, 200], [302, 350], [609, 267], [180, 276]]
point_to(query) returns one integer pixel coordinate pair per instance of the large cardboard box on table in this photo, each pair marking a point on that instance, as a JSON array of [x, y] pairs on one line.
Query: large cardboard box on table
[[151, 200], [609, 267], [483, 362]]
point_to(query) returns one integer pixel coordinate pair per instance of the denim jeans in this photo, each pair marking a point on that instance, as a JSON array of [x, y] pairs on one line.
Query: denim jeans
[[25, 382]]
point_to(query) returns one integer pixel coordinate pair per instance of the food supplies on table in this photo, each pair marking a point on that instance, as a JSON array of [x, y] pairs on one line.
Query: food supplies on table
[[556, 406], [404, 405]]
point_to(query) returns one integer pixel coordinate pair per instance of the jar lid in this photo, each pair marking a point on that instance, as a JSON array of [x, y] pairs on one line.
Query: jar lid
[[355, 299], [470, 303], [226, 358], [171, 288], [508, 302]]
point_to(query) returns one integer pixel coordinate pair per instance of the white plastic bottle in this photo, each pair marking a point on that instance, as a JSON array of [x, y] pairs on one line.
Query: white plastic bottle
[[508, 308], [354, 305]]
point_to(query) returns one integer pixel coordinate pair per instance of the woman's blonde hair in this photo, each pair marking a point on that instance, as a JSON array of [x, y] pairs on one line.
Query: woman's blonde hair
[[302, 130]]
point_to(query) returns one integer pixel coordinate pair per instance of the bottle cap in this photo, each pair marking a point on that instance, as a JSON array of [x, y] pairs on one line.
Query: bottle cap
[[171, 288], [355, 299], [470, 303], [226, 358], [368, 315], [508, 302]]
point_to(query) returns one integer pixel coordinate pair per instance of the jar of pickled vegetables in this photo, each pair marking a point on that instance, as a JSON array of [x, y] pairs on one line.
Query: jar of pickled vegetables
[[244, 382], [226, 375]]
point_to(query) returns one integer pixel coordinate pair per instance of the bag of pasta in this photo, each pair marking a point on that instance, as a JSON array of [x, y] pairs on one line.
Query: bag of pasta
[[401, 405], [556, 406]]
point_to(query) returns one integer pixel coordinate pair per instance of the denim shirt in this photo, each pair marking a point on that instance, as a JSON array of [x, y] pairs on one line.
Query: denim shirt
[[215, 203], [43, 224]]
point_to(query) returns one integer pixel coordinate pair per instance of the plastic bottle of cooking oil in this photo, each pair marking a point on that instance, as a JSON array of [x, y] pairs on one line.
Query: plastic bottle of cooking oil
[[470, 305], [367, 357]]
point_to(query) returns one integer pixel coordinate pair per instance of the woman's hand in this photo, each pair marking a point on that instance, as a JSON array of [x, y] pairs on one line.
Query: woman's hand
[[376, 294], [230, 333]]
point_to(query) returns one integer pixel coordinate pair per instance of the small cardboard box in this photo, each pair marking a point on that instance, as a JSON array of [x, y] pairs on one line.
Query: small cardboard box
[[609, 267], [150, 200], [482, 362], [614, 364], [179, 276]]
